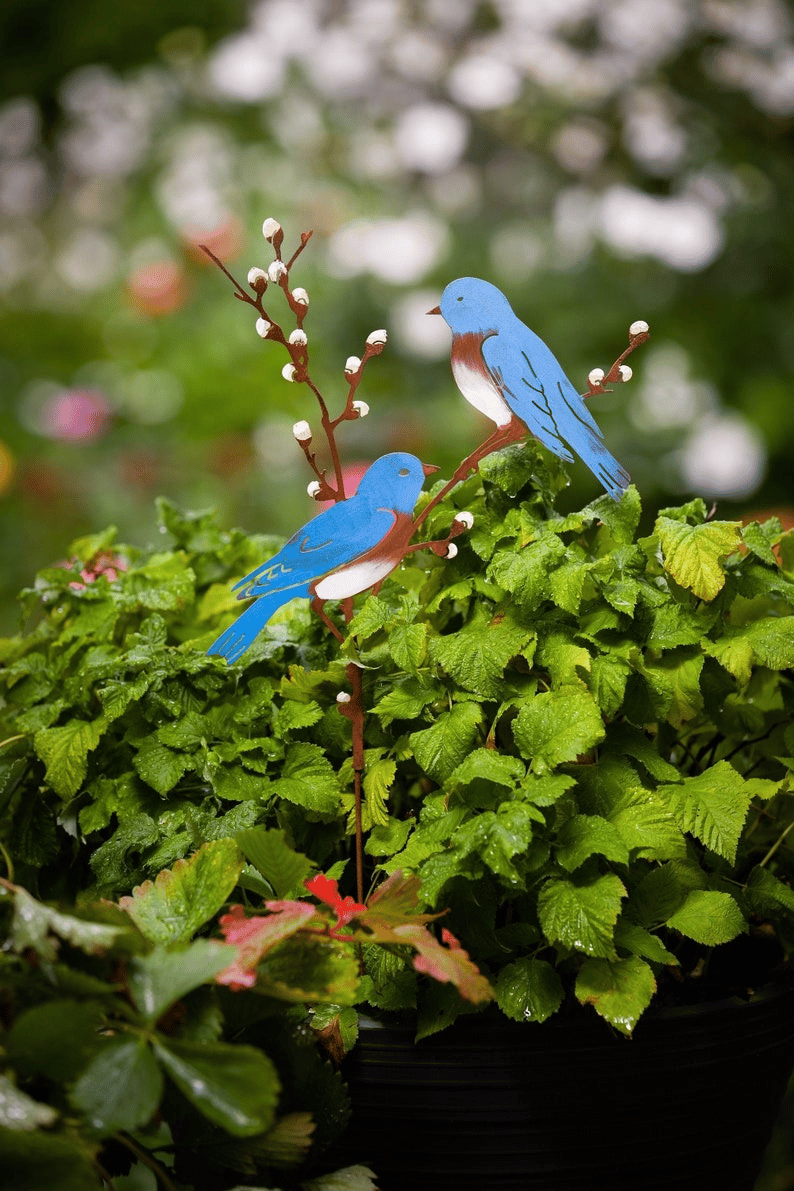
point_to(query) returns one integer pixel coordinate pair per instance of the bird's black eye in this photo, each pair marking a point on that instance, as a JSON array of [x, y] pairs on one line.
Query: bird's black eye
[[404, 471]]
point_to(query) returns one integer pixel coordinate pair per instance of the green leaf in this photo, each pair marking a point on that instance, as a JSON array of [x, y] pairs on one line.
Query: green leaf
[[709, 917], [234, 1086], [640, 941], [56, 1039], [404, 702], [441, 748], [308, 780], [587, 835], [632, 742], [408, 645], [564, 659], [620, 517], [712, 806], [557, 726], [663, 891], [310, 968], [582, 916], [41, 1161], [526, 574], [496, 836], [378, 779], [65, 751], [487, 765], [619, 990], [647, 825], [528, 990], [34, 923], [759, 539], [172, 907], [476, 656], [567, 583], [693, 553], [159, 766], [120, 1088], [284, 869], [19, 1112], [674, 680], [373, 615], [162, 977], [389, 838], [767, 893], [767, 642], [350, 1178]]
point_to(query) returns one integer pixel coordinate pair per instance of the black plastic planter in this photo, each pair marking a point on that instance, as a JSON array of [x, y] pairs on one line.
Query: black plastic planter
[[491, 1105]]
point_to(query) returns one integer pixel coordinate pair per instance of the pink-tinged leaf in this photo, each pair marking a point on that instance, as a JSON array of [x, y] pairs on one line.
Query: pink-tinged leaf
[[256, 936], [325, 889], [396, 901], [449, 965]]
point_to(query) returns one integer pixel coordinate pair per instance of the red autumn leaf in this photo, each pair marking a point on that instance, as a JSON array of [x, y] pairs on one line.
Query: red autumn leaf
[[254, 937], [325, 889], [449, 965]]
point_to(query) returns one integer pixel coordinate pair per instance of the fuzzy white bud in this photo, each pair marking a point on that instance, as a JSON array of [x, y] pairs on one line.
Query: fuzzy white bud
[[596, 376], [361, 408], [302, 432], [270, 227], [625, 372], [377, 337], [313, 488], [465, 518], [288, 372], [255, 275], [638, 328], [343, 697], [275, 270], [300, 295], [262, 327], [298, 338], [451, 550], [352, 365]]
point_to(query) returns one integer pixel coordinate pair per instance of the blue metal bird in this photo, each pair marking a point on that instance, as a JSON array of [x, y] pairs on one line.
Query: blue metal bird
[[506, 371], [344, 550]]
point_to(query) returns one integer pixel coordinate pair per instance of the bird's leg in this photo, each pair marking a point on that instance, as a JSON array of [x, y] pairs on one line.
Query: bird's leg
[[502, 436], [317, 606], [441, 547]]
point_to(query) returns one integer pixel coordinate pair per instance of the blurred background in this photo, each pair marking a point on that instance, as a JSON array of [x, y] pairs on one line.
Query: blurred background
[[601, 161]]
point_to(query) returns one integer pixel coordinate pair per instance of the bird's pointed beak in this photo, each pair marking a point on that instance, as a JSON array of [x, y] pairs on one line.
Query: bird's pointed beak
[[435, 310], [429, 468]]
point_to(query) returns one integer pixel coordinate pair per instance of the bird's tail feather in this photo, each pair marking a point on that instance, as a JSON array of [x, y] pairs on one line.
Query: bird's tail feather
[[235, 640], [606, 468]]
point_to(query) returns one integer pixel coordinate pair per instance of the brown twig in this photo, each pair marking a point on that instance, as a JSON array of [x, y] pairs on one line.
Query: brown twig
[[614, 377]]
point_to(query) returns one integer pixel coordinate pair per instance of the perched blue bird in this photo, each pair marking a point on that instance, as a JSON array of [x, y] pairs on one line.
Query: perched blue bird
[[347, 548], [506, 371]]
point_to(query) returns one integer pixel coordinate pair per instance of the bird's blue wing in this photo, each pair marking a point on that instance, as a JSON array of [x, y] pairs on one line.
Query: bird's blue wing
[[333, 538], [538, 391]]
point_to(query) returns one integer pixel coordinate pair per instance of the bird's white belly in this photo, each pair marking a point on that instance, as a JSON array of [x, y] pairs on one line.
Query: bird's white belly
[[481, 392], [354, 579]]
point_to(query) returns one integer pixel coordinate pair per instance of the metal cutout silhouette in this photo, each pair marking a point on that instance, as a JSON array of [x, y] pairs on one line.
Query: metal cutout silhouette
[[507, 372]]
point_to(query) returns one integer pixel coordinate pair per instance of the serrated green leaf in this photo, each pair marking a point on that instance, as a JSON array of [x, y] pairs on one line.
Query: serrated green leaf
[[647, 825], [283, 868], [582, 916], [172, 907], [496, 836], [557, 726], [65, 750], [34, 923], [712, 806], [405, 702], [159, 979], [373, 615], [620, 517], [38, 1160], [588, 835], [567, 663], [120, 1088], [476, 656], [619, 990], [709, 917], [378, 778], [159, 766], [767, 642], [389, 838], [441, 748], [313, 969], [639, 941], [350, 1178], [235, 784], [19, 1112], [693, 553], [234, 1086], [528, 990], [308, 779], [760, 539], [408, 645], [116, 696], [567, 583], [487, 765], [674, 682], [631, 742], [767, 892], [663, 891], [526, 574]]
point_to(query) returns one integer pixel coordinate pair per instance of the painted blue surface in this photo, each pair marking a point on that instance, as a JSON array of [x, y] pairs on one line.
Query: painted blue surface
[[330, 543], [523, 372]]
